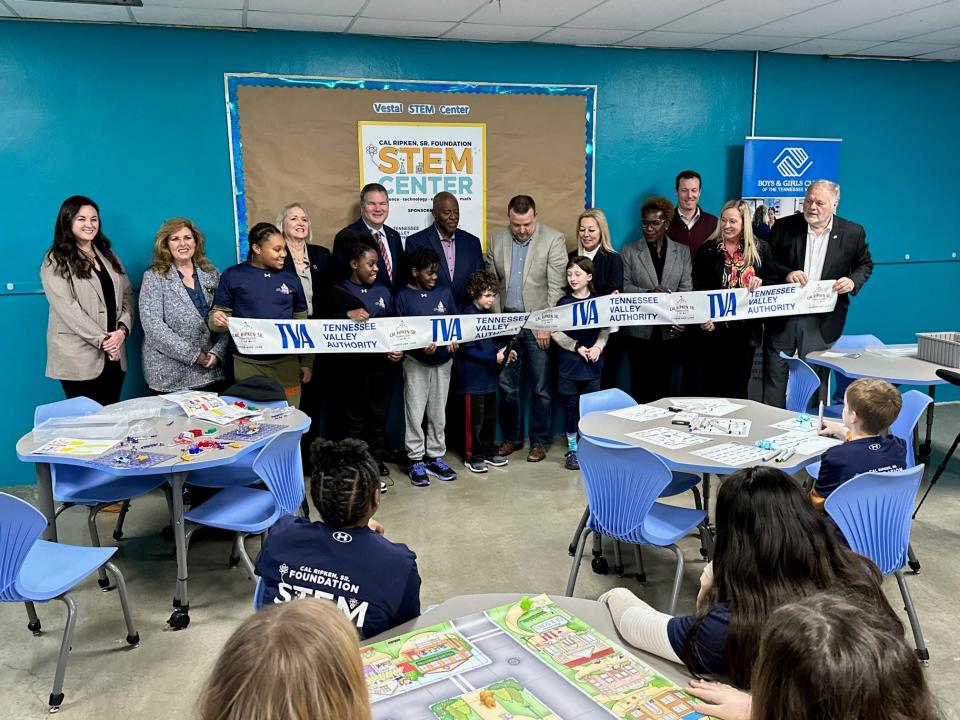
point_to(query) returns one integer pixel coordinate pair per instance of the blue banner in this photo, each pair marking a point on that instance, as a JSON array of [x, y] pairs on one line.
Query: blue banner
[[784, 167]]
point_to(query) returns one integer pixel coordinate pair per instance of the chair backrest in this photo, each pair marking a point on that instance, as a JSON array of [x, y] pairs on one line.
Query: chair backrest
[[255, 403], [603, 400], [855, 342], [258, 594], [621, 484], [914, 403], [280, 466], [873, 511], [20, 526], [802, 383], [74, 407]]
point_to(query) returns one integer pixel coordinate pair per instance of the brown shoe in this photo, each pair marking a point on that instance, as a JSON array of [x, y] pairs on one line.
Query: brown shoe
[[507, 447], [536, 454]]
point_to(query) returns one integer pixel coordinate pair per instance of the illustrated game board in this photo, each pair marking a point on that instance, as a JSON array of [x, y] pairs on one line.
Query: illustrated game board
[[529, 660]]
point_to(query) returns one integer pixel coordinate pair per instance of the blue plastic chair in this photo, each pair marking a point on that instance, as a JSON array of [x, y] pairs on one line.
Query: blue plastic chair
[[873, 511], [34, 570], [841, 382], [258, 593], [622, 486], [87, 486], [802, 383], [250, 510]]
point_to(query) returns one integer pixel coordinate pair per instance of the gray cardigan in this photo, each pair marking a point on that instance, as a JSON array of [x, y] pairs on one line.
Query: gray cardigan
[[640, 276], [174, 333]]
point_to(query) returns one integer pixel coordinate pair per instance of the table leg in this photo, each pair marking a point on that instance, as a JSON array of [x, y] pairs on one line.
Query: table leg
[[706, 498], [924, 454], [45, 500], [180, 618]]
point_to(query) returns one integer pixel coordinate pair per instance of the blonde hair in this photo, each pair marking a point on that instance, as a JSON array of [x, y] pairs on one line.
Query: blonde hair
[[876, 402], [292, 661], [162, 258], [282, 215], [596, 214], [751, 256]]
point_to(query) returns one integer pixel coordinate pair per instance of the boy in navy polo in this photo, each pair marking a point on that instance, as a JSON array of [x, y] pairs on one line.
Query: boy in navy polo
[[869, 408], [426, 372], [476, 378]]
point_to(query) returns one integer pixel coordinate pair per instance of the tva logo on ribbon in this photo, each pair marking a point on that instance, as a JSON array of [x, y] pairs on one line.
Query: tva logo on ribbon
[[784, 167]]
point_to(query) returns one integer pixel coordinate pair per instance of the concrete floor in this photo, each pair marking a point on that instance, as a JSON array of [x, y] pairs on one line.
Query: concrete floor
[[506, 531]]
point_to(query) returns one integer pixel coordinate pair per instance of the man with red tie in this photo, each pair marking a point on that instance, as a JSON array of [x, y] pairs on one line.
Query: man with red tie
[[374, 210]]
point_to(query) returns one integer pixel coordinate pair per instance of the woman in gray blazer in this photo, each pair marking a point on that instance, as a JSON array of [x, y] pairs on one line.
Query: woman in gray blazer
[[655, 264], [91, 305], [179, 351]]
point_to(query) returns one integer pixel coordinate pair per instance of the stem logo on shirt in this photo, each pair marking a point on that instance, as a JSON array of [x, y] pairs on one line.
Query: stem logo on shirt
[[440, 307], [283, 289], [350, 605]]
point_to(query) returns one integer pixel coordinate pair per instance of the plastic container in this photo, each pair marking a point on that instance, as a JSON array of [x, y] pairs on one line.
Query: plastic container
[[84, 427], [942, 348]]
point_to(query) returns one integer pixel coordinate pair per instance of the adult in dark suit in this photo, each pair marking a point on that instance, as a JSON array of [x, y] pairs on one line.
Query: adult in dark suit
[[659, 265], [817, 245], [374, 210], [459, 252]]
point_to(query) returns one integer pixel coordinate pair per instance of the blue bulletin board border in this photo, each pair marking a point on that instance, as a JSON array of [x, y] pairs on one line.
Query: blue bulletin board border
[[234, 81]]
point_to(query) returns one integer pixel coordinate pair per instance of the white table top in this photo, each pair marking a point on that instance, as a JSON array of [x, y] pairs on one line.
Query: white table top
[[609, 427], [872, 364]]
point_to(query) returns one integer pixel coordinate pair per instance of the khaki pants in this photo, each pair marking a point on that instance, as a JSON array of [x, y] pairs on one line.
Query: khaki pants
[[285, 370]]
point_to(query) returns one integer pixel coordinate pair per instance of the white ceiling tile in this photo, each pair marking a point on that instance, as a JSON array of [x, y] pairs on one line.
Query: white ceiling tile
[[69, 11], [523, 12], [837, 16], [951, 54], [824, 46], [308, 7], [734, 16], [399, 28], [903, 49], [291, 21], [197, 4], [658, 39], [638, 16], [906, 24], [950, 35], [188, 16], [583, 36], [763, 43], [455, 10], [495, 33]]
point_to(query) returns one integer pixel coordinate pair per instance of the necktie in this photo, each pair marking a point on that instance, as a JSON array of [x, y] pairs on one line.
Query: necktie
[[383, 254]]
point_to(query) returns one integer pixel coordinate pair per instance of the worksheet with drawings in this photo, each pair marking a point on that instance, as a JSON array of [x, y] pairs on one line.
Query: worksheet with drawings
[[668, 438]]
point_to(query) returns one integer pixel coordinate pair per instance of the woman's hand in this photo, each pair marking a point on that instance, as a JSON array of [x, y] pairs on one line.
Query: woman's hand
[[360, 315], [754, 282], [708, 326], [582, 352], [212, 361], [220, 319], [593, 354], [723, 701], [202, 359], [112, 342], [306, 375]]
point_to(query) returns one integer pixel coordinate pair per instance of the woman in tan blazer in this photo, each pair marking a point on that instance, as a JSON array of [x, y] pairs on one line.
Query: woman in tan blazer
[[91, 305]]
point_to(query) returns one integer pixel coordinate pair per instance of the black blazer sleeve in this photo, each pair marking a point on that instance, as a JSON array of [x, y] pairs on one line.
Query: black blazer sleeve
[[768, 269], [704, 272], [781, 241]]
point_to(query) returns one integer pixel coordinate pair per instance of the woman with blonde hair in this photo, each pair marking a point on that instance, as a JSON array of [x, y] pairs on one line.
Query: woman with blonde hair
[[731, 258], [179, 351], [294, 661]]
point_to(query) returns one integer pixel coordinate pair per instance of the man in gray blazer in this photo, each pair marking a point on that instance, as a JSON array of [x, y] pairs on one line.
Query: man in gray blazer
[[529, 260], [654, 264]]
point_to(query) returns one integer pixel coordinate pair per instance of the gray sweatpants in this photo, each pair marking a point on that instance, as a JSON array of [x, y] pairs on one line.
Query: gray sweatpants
[[425, 389]]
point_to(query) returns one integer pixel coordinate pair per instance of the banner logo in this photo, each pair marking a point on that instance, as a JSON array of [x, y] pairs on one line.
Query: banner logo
[[446, 332], [295, 336], [722, 304], [585, 313], [792, 162]]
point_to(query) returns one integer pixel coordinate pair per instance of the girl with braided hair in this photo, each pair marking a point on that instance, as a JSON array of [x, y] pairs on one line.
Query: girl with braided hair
[[344, 556]]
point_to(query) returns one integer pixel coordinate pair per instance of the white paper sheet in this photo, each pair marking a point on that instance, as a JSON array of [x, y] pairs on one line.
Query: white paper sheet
[[668, 438], [794, 424], [641, 413], [75, 447], [803, 443], [208, 406], [732, 454], [729, 427], [715, 407]]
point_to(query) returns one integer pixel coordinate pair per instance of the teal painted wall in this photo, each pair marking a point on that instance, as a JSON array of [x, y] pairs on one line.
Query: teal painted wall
[[134, 117]]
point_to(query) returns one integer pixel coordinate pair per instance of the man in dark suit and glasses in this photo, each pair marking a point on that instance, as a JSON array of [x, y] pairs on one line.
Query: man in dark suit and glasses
[[817, 245]]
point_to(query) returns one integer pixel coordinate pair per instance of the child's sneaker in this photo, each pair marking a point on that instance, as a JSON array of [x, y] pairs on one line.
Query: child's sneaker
[[570, 462], [476, 466], [496, 460], [418, 474], [440, 470]]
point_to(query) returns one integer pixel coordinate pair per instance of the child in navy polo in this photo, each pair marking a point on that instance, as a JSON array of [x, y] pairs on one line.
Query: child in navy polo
[[476, 378], [342, 557], [364, 381], [580, 362], [426, 372], [869, 408]]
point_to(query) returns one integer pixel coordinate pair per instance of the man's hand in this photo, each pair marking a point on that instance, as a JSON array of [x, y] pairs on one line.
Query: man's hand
[[723, 701], [395, 356], [797, 276], [708, 326], [660, 289], [543, 339], [843, 285], [306, 375], [359, 315], [677, 329]]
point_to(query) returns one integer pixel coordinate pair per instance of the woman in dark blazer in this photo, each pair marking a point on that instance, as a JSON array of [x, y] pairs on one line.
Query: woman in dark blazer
[[179, 351], [731, 258]]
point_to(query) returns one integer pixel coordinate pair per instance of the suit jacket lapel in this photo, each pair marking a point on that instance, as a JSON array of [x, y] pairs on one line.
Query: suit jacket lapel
[[669, 262], [833, 253], [173, 277], [95, 281], [530, 250], [438, 249]]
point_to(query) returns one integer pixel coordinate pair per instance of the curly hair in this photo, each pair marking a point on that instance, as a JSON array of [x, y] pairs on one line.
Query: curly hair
[[481, 281], [658, 203], [345, 476], [162, 258], [65, 254], [423, 258]]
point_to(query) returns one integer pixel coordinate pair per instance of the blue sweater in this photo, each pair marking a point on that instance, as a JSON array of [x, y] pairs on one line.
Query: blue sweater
[[476, 362]]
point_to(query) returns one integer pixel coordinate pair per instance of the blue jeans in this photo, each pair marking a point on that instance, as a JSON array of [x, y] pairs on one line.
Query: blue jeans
[[527, 377]]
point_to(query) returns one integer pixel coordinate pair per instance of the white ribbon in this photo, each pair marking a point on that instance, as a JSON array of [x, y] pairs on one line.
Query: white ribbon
[[380, 335]]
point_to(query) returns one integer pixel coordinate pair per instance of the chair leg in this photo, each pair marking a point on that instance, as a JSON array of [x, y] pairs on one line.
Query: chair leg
[[922, 651], [133, 637], [617, 560], [118, 529], [305, 508], [59, 510], [103, 581], [706, 541], [641, 574], [574, 569], [572, 548], [697, 500], [56, 697], [912, 560], [34, 622], [599, 563], [235, 550], [244, 557], [678, 576]]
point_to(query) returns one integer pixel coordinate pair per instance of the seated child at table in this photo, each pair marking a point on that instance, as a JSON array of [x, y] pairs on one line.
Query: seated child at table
[[869, 408], [772, 547], [826, 656], [298, 661], [344, 556]]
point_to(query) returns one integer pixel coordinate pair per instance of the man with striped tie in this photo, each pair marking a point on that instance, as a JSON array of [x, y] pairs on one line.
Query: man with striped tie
[[374, 210]]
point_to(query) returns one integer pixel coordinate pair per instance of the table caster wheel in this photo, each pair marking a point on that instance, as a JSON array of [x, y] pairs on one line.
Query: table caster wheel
[[571, 550], [104, 584], [179, 619], [915, 566], [118, 535], [133, 640], [600, 565], [34, 627]]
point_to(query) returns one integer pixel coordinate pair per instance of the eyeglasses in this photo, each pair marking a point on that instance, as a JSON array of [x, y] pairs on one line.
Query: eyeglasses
[[652, 223]]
